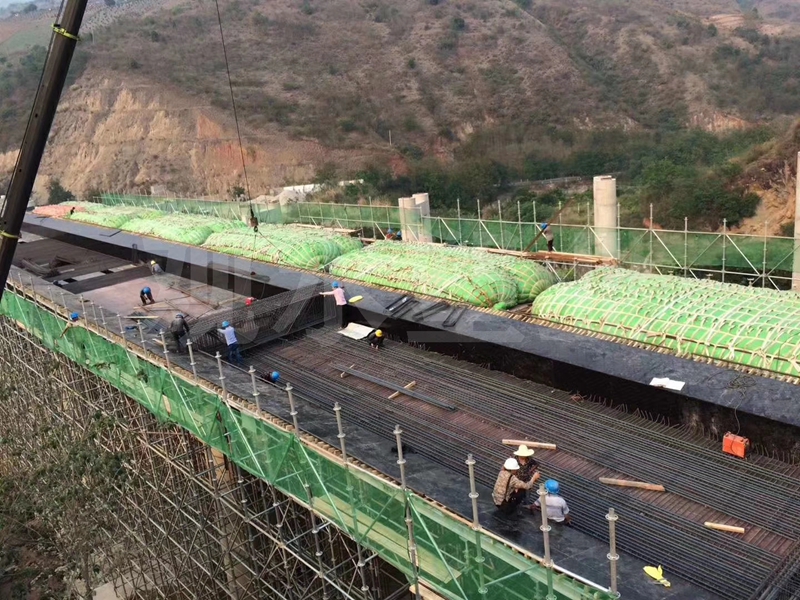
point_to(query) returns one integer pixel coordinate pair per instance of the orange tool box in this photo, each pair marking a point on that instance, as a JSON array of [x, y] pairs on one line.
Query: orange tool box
[[735, 445]]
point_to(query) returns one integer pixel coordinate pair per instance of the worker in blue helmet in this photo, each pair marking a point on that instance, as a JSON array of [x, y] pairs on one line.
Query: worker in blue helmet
[[389, 234], [74, 317], [274, 377], [557, 509], [146, 295], [234, 354], [547, 231], [178, 328], [341, 303]]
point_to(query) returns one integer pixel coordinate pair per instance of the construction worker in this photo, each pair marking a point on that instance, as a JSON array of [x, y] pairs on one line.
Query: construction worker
[[155, 268], [146, 295], [177, 328], [557, 509], [528, 468], [375, 339], [274, 377], [234, 355], [389, 234], [509, 490], [249, 301], [341, 302], [548, 235]]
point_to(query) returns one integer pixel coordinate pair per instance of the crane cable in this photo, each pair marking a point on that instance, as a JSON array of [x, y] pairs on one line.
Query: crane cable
[[235, 114]]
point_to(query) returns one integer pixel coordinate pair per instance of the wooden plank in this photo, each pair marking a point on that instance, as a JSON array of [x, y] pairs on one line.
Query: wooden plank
[[721, 527], [529, 444], [653, 487], [406, 387]]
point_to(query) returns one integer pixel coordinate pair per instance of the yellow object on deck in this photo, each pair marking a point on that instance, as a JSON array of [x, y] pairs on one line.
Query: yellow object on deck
[[355, 299], [657, 573]]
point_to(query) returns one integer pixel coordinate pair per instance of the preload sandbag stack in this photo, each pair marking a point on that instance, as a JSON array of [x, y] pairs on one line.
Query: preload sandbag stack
[[749, 326], [460, 274]]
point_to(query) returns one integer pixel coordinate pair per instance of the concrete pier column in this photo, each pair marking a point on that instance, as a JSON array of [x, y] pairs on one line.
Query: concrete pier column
[[605, 216], [414, 212], [796, 262]]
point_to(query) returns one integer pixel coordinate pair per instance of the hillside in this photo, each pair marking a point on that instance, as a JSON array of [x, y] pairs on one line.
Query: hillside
[[335, 81]]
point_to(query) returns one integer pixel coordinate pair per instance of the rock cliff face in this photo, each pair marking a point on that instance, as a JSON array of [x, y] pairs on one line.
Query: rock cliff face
[[117, 135]]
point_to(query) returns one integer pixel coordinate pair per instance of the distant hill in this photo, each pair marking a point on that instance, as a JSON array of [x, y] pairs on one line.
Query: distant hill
[[453, 79]]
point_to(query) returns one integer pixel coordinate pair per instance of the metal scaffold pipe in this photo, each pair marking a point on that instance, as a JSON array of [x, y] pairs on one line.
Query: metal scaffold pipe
[[476, 526], [191, 358], [292, 409], [341, 435], [256, 394], [613, 557], [166, 351], [545, 527], [221, 376]]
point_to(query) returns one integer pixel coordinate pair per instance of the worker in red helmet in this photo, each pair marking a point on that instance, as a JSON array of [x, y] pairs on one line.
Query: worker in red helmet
[[249, 301]]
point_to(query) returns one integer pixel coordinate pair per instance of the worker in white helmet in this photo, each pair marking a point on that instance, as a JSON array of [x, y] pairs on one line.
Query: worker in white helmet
[[509, 490]]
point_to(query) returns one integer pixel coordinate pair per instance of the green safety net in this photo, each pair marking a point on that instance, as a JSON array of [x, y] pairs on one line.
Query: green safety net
[[185, 229], [743, 325], [462, 274], [290, 246], [458, 562]]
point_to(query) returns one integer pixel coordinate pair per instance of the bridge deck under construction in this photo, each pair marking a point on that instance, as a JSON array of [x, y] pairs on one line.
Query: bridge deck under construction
[[457, 408], [593, 441]]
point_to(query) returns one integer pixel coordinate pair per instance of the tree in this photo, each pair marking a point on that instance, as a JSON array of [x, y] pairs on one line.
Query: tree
[[326, 174], [62, 481], [57, 193], [238, 193], [93, 194], [29, 8]]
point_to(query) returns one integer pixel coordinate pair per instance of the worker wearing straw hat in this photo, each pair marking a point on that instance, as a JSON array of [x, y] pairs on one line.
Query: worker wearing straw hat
[[509, 490], [528, 467]]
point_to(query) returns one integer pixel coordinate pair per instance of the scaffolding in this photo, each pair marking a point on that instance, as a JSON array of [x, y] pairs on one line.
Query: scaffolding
[[231, 502], [189, 522]]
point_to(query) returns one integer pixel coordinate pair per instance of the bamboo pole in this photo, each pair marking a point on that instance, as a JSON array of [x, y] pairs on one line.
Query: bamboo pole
[[653, 487], [721, 527], [405, 387], [542, 445]]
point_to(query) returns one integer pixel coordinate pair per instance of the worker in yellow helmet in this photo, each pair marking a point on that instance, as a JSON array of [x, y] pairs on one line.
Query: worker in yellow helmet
[[155, 268], [375, 339]]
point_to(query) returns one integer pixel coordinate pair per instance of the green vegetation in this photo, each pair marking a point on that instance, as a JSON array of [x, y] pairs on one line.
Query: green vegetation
[[19, 79], [761, 80], [688, 173], [56, 193], [59, 489]]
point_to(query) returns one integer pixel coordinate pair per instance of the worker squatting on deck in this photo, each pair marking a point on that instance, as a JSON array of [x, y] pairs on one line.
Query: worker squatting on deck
[[146, 295], [509, 490], [375, 339], [518, 476], [557, 509], [341, 301]]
